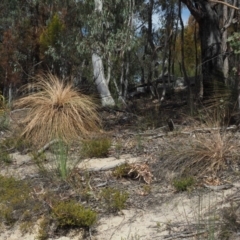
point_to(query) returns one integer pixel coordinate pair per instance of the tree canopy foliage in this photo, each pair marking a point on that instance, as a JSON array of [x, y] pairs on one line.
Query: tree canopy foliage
[[136, 41]]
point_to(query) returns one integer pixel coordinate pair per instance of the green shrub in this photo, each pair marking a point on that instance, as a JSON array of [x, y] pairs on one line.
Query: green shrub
[[183, 184], [4, 121], [5, 156], [98, 148], [44, 226], [122, 171], [15, 143], [4, 116], [16, 200], [72, 214], [114, 199]]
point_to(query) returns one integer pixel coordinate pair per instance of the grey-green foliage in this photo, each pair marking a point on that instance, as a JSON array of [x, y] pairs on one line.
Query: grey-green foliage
[[234, 42], [109, 30]]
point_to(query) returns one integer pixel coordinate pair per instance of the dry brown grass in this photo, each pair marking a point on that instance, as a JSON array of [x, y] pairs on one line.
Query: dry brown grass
[[202, 153], [57, 111]]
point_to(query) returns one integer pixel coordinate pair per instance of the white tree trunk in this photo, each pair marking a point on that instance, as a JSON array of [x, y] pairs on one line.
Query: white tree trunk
[[98, 71], [10, 94], [100, 81]]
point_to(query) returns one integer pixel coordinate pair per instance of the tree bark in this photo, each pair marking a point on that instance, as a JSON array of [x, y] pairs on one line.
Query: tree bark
[[211, 43], [100, 81], [227, 21]]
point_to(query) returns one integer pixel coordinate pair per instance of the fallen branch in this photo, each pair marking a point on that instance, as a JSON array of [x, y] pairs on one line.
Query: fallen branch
[[218, 188], [199, 130], [184, 235], [45, 147], [224, 3]]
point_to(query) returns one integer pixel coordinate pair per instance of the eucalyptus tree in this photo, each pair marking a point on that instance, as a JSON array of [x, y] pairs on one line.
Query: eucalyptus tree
[[208, 15], [101, 82], [15, 34], [111, 39]]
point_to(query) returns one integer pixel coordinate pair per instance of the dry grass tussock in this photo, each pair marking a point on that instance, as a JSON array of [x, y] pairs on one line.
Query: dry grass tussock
[[57, 111], [202, 153]]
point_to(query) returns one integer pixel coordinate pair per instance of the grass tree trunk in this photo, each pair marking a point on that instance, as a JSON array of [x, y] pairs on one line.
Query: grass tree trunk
[[98, 71]]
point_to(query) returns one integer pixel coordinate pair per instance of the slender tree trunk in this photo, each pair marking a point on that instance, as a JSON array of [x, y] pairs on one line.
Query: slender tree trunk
[[98, 71], [227, 20], [100, 81], [190, 98]]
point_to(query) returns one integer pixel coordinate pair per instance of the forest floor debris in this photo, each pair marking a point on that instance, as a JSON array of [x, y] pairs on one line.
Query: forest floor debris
[[154, 208]]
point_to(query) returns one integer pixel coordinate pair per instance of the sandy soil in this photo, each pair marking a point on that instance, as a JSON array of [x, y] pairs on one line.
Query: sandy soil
[[161, 213]]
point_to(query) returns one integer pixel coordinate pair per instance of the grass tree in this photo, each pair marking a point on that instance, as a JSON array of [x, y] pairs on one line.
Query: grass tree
[[58, 110]]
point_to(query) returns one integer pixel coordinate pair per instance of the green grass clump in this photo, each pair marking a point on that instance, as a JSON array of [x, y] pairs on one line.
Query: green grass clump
[[16, 200], [4, 121], [122, 171], [44, 226], [5, 156], [4, 116], [72, 214], [115, 200], [183, 183], [98, 148], [14, 143]]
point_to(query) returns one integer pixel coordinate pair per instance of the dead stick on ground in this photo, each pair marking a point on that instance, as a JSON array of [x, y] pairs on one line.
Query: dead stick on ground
[[185, 235], [41, 150], [200, 130]]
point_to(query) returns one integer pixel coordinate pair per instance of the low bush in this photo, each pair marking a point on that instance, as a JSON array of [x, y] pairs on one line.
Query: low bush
[[183, 183], [115, 199], [16, 200], [73, 214], [97, 147], [122, 170]]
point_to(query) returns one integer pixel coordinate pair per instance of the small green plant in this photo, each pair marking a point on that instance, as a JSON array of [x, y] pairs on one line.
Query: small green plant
[[98, 147], [146, 189], [118, 149], [81, 183], [38, 159], [4, 120], [61, 154], [15, 143], [5, 156], [122, 170], [139, 141], [72, 214], [4, 116], [132, 237], [27, 226], [114, 199], [43, 229], [183, 183], [15, 200]]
